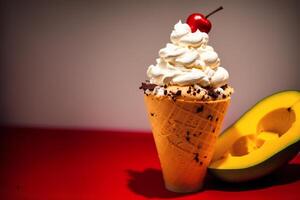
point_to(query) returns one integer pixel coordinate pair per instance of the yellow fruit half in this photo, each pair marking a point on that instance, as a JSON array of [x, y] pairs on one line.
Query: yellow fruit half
[[262, 140]]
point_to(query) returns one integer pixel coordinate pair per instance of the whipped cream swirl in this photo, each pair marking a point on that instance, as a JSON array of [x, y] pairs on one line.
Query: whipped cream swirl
[[188, 60]]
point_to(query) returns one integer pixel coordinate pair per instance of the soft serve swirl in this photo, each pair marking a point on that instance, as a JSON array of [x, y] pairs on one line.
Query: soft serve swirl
[[188, 60]]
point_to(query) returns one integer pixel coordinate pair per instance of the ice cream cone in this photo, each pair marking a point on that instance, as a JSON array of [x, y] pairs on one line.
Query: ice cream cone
[[185, 133]]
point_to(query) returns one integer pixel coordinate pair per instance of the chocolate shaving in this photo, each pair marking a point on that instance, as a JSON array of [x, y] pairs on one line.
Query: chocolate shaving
[[213, 94], [148, 86], [208, 87], [224, 86], [174, 95], [178, 93]]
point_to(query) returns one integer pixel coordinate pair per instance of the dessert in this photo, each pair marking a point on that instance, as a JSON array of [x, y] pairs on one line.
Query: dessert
[[186, 96]]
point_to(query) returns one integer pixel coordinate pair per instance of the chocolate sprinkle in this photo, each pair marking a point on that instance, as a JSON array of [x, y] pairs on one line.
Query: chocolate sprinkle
[[289, 109], [198, 91], [196, 158], [152, 114], [217, 119], [189, 90], [187, 138], [210, 117], [194, 93], [199, 109], [165, 92]]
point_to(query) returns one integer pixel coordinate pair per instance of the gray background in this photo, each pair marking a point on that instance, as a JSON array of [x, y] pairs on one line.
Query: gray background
[[80, 63]]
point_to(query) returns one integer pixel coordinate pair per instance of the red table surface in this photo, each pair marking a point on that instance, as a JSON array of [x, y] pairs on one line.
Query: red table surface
[[85, 164]]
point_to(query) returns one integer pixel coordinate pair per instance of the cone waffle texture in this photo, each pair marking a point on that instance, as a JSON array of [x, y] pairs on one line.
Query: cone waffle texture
[[185, 133]]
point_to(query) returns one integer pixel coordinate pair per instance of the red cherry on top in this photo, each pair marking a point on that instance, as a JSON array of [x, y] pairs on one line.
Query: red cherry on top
[[199, 21]]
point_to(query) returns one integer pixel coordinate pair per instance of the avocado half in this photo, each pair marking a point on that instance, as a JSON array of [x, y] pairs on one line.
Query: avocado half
[[265, 138]]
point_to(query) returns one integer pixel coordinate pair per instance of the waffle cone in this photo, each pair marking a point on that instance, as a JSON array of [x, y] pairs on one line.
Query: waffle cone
[[185, 133]]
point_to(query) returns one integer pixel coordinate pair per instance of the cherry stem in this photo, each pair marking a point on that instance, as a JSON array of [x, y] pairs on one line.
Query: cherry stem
[[213, 12]]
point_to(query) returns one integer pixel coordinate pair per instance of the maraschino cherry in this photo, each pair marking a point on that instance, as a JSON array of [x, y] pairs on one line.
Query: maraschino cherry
[[199, 21]]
